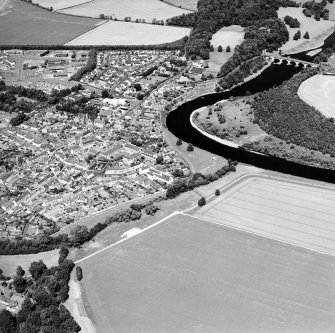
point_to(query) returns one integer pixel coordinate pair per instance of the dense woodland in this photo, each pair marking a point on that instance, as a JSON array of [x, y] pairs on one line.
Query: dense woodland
[[280, 112], [316, 9], [44, 290]]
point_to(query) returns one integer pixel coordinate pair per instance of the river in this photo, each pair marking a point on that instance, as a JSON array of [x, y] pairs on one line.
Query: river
[[178, 122]]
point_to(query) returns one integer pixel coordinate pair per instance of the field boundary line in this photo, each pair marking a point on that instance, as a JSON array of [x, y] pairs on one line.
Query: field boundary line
[[83, 3], [228, 226]]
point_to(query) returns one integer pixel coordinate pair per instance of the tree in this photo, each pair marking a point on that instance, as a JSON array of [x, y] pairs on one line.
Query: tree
[[211, 48], [219, 48], [306, 35], [217, 192], [63, 253], [20, 271], [228, 48], [202, 202], [137, 86], [297, 35], [7, 322], [179, 142], [190, 147], [159, 159], [36, 269], [79, 273], [105, 93], [20, 284], [79, 234], [102, 16]]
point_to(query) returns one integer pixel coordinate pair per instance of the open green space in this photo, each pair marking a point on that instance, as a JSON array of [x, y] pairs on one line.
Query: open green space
[[25, 24], [190, 275]]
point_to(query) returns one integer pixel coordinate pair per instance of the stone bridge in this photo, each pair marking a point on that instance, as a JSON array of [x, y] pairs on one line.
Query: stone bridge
[[290, 61]]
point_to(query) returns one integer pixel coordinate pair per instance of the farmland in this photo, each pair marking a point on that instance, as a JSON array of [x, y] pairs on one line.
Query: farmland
[[185, 4], [59, 4], [318, 31], [191, 275], [318, 91], [26, 24], [282, 210], [129, 33], [136, 9]]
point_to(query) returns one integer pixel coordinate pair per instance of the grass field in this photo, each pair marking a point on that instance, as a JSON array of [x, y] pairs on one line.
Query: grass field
[[282, 210], [127, 33], [232, 36], [318, 31], [189, 275], [141, 9], [9, 263], [185, 4], [26, 24], [319, 91]]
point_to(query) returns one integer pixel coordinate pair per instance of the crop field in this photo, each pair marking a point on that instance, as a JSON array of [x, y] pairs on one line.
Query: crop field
[[141, 9], [190, 275], [319, 91], [232, 36], [318, 31], [59, 4], [185, 4], [26, 24], [294, 213], [128, 33]]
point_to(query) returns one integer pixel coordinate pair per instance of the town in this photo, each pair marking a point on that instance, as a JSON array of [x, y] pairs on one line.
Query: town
[[63, 164]]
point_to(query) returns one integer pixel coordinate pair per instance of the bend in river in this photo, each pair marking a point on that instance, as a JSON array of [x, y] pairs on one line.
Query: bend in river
[[178, 122]]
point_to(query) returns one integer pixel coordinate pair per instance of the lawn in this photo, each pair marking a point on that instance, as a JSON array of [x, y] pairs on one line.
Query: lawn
[[26, 24], [185, 4], [129, 33], [318, 31], [141, 9], [319, 91], [9, 263], [289, 212], [189, 275], [232, 36]]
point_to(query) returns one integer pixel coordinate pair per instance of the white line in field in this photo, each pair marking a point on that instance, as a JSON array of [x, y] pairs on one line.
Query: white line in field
[[125, 239], [259, 235]]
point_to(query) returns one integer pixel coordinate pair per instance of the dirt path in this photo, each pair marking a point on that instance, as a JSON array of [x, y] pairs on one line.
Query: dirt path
[[75, 305]]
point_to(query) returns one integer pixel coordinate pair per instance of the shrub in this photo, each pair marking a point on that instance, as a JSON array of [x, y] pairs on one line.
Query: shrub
[[190, 147], [202, 202], [217, 192], [306, 35], [219, 48]]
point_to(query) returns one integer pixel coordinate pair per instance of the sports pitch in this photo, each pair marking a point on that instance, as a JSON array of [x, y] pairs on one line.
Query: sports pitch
[[287, 211], [191, 275]]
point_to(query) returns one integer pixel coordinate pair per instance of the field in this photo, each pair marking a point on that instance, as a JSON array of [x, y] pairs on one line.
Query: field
[[232, 36], [189, 275], [318, 31], [185, 4], [319, 91], [331, 8], [9, 263], [128, 33], [285, 211], [141, 9], [26, 24], [59, 4]]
